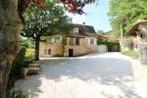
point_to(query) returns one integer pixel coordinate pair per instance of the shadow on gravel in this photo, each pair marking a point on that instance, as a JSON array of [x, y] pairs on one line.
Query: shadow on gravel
[[107, 71]]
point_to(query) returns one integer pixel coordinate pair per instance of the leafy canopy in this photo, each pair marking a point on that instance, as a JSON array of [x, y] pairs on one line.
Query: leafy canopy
[[126, 12], [74, 6], [45, 22]]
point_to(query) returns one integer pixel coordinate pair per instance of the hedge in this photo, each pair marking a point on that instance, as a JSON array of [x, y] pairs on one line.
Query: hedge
[[113, 46]]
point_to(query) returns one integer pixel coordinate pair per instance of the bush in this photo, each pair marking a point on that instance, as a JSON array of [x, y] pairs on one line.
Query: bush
[[24, 43], [18, 64], [113, 46], [19, 61], [18, 94], [30, 53]]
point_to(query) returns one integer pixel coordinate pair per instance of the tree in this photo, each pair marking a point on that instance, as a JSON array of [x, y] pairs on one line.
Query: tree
[[128, 10], [44, 22], [26, 42], [10, 26], [101, 32], [11, 18]]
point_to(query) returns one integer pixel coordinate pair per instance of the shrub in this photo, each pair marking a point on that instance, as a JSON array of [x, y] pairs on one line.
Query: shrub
[[19, 61], [24, 43], [113, 46], [30, 53], [18, 94], [18, 64]]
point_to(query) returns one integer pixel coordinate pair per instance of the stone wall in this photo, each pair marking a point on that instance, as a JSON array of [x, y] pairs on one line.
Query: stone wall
[[56, 49], [84, 47]]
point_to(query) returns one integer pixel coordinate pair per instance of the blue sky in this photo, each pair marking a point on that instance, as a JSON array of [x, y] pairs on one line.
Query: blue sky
[[96, 15]]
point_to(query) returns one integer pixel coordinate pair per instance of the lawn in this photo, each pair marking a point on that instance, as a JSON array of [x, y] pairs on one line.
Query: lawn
[[131, 53]]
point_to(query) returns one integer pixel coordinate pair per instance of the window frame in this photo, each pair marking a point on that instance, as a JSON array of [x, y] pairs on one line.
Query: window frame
[[47, 52], [77, 41], [92, 41]]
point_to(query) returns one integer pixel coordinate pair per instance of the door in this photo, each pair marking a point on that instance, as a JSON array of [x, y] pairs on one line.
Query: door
[[70, 52]]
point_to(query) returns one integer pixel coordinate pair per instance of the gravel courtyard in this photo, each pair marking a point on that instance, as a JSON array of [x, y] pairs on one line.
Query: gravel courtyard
[[110, 75]]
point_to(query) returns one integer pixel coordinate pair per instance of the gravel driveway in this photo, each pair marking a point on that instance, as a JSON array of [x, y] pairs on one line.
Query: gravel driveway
[[110, 75]]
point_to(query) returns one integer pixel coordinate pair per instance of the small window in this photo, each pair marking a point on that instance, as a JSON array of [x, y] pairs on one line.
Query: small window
[[91, 41], [71, 41], [47, 51], [141, 35], [58, 39], [76, 30], [77, 41]]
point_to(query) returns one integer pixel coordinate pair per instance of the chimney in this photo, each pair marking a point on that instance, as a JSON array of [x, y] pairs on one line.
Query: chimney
[[84, 23]]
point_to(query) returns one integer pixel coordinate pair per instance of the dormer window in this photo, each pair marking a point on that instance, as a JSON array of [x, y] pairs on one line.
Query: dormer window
[[76, 30]]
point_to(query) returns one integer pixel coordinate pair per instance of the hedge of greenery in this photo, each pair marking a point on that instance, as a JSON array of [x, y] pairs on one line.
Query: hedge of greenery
[[19, 94], [30, 53], [113, 46], [18, 64], [19, 61]]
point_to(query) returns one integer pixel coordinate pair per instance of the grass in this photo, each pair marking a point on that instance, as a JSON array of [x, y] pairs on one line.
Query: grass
[[131, 53]]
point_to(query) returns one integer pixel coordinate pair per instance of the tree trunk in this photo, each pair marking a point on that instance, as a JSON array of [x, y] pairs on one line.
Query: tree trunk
[[10, 26], [37, 45]]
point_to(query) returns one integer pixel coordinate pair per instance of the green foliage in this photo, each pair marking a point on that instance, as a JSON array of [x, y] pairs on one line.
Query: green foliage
[[19, 94], [18, 64], [126, 12], [100, 32], [25, 42], [113, 46], [131, 53], [30, 54], [45, 22], [19, 60]]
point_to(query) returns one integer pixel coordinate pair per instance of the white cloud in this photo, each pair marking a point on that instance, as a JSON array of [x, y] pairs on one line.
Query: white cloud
[[77, 18]]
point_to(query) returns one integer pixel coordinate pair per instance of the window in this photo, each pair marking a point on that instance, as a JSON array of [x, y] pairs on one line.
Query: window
[[71, 41], [47, 51], [57, 40], [141, 35], [91, 41], [76, 30], [77, 41]]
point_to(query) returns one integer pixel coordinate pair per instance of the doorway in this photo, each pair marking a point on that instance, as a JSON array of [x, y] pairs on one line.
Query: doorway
[[70, 53]]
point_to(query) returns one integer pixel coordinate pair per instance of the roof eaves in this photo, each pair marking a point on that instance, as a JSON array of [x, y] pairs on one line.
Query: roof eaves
[[135, 27]]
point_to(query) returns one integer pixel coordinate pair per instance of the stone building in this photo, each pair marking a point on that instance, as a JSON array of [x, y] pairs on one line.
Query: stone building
[[139, 31], [82, 40]]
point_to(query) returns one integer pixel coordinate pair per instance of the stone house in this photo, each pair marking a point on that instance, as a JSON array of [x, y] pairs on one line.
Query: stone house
[[82, 40], [139, 31]]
